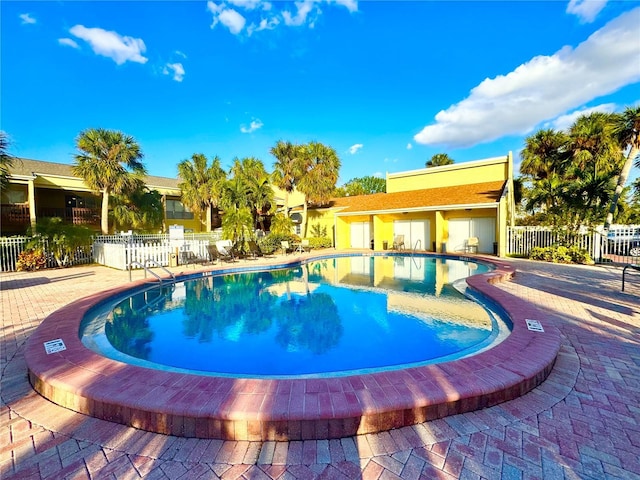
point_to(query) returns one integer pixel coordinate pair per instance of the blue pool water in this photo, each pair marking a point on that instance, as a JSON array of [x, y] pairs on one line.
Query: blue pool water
[[333, 316]]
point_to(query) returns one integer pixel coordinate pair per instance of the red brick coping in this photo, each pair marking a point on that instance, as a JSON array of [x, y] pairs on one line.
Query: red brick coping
[[291, 409]]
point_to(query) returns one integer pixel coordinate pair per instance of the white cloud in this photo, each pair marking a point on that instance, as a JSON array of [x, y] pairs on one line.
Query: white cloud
[[227, 17], [378, 174], [232, 20], [409, 146], [253, 126], [303, 9], [390, 160], [68, 42], [293, 14], [176, 69], [352, 5], [181, 54], [563, 122], [265, 24], [246, 4], [586, 10], [354, 148], [543, 88], [111, 44], [27, 19]]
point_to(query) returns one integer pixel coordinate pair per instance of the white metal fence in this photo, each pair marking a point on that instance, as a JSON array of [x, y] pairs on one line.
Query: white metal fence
[[116, 251], [620, 244]]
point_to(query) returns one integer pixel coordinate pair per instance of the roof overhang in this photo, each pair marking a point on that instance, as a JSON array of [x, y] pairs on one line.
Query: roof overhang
[[472, 206]]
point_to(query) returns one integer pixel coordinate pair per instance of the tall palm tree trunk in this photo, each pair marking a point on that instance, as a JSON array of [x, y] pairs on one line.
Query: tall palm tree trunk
[[208, 221], [303, 229], [622, 180], [104, 220]]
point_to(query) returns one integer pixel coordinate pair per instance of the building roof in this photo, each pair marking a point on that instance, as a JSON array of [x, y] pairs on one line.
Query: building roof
[[428, 198], [27, 167]]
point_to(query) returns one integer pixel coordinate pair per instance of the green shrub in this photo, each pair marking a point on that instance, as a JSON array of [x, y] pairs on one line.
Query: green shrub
[[29, 260], [320, 242], [273, 242], [318, 230], [63, 241], [580, 255], [561, 254]]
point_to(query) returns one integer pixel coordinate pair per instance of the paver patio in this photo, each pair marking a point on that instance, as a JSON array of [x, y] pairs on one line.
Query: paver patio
[[582, 422]]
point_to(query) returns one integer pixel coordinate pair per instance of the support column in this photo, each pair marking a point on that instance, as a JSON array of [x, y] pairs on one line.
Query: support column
[[31, 192], [441, 234]]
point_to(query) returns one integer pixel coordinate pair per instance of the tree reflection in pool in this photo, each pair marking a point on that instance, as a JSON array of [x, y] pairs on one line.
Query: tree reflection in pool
[[332, 316]]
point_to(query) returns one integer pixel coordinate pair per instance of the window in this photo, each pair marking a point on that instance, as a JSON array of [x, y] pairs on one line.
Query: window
[[13, 196], [75, 201], [176, 210]]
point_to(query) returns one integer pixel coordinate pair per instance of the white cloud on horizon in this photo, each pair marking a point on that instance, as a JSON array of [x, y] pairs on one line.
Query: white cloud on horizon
[[542, 89], [378, 174], [176, 69], [354, 148], [586, 10], [409, 146], [27, 19], [112, 45], [68, 42], [563, 122], [253, 126]]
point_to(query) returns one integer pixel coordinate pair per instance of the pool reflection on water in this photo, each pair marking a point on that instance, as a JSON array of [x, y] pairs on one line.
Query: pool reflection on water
[[332, 316]]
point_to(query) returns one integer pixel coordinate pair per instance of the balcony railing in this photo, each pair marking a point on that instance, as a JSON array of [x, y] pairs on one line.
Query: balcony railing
[[18, 215]]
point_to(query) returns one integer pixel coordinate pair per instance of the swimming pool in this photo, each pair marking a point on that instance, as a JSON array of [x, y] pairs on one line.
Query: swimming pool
[[183, 403], [336, 316]]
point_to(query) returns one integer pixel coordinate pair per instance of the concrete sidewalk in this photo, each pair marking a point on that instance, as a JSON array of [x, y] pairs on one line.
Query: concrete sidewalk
[[583, 422]]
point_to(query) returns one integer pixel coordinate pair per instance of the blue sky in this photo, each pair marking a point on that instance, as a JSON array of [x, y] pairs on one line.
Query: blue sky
[[386, 84]]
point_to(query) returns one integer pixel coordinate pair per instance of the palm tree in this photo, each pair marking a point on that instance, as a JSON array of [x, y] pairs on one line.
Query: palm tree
[[438, 160], [201, 185], [286, 169], [627, 130], [544, 154], [256, 181], [109, 162], [319, 174], [592, 143], [6, 160], [141, 209], [237, 221]]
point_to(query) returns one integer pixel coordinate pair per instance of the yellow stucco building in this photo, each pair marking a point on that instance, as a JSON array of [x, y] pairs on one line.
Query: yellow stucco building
[[46, 189], [435, 209]]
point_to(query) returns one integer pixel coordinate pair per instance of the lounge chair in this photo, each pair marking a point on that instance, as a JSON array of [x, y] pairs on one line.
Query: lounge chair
[[225, 248], [255, 250], [398, 242], [305, 246], [286, 248], [187, 257], [472, 245], [214, 252]]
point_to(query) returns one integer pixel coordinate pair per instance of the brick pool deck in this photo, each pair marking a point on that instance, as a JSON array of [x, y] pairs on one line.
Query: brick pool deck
[[582, 422]]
